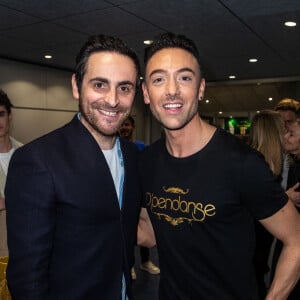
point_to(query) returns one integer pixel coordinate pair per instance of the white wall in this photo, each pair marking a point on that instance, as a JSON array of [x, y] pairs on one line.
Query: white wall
[[41, 96], [43, 100]]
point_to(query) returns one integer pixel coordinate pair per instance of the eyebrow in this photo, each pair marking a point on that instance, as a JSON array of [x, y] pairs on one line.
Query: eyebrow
[[178, 71], [105, 80]]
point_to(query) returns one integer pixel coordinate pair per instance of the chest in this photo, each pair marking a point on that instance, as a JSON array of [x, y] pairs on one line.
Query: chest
[[190, 193]]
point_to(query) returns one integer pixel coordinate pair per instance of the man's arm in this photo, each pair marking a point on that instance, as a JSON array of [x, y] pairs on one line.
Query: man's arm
[[285, 226], [145, 233], [30, 215]]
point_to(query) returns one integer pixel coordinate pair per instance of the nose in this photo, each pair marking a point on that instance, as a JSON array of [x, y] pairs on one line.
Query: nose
[[112, 98], [286, 135], [172, 87]]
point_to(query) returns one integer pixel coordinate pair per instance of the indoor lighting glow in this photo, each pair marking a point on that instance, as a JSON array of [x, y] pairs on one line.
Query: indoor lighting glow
[[206, 101], [48, 56], [290, 24], [220, 112], [252, 60], [148, 42], [270, 99], [231, 77]]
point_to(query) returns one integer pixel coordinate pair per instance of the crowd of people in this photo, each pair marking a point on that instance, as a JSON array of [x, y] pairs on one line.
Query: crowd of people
[[79, 199], [269, 135]]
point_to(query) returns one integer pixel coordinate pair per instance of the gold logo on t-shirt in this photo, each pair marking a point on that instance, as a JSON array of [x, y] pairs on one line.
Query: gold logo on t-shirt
[[175, 190], [176, 210]]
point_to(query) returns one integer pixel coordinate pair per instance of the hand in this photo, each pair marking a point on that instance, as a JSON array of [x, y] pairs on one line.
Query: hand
[[294, 196]]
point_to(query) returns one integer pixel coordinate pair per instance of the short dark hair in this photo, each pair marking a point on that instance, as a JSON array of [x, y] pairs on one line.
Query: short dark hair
[[4, 101], [99, 43], [171, 40]]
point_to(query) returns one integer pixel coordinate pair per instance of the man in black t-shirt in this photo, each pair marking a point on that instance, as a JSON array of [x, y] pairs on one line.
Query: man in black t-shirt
[[202, 190]]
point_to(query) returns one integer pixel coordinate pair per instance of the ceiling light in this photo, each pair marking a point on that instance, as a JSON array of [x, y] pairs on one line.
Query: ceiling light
[[290, 24], [141, 78], [232, 77], [148, 42], [253, 60], [206, 101], [270, 99], [48, 56], [258, 111], [220, 112]]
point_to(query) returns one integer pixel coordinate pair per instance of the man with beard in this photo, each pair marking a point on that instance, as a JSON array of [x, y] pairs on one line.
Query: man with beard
[[71, 195], [203, 188]]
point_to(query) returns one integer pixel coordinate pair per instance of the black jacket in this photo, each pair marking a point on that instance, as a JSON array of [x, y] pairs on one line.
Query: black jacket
[[67, 237]]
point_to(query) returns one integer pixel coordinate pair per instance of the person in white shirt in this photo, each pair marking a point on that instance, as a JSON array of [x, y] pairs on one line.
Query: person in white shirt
[[7, 146]]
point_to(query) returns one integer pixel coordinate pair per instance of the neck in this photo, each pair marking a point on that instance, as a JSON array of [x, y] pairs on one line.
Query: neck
[[5, 144], [104, 142], [190, 139]]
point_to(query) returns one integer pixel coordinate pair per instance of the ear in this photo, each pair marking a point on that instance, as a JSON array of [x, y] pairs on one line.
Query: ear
[[75, 91], [201, 89], [145, 93]]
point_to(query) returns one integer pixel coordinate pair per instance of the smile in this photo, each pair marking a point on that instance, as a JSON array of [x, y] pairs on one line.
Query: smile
[[108, 113], [172, 105]]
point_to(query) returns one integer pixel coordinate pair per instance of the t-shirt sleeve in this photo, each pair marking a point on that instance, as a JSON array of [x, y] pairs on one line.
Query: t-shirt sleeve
[[261, 190]]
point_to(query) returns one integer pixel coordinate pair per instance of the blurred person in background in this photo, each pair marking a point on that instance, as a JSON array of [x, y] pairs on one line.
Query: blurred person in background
[[7, 147], [289, 110], [292, 147], [266, 135]]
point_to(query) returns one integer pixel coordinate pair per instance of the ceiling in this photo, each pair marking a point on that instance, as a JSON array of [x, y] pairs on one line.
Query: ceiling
[[227, 32]]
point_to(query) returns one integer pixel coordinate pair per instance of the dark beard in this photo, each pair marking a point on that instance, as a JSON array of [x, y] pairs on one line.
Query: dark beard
[[92, 122]]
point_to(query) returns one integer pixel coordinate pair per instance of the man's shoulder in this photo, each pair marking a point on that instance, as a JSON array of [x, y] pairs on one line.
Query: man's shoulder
[[225, 141], [128, 145], [50, 140], [153, 148], [140, 145]]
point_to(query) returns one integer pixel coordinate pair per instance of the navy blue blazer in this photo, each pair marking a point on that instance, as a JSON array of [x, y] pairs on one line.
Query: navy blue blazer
[[67, 237]]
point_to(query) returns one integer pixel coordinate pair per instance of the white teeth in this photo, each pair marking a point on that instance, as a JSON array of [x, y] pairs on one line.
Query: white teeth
[[172, 105], [109, 113]]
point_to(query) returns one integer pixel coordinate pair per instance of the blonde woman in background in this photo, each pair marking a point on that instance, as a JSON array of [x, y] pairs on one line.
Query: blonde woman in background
[[267, 135], [292, 147]]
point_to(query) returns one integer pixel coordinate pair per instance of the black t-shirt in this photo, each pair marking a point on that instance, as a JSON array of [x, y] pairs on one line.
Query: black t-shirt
[[202, 209]]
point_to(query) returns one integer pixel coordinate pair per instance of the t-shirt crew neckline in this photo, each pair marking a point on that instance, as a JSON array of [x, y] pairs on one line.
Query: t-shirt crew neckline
[[195, 155]]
